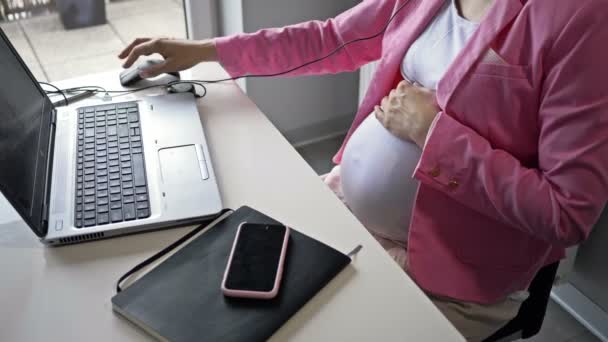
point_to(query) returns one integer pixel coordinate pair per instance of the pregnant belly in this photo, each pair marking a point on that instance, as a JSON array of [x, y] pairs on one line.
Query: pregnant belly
[[377, 181]]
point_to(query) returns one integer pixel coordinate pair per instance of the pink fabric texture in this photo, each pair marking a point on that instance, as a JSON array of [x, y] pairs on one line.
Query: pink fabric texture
[[516, 167]]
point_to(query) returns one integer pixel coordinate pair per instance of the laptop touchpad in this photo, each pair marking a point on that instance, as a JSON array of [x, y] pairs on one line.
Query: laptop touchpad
[[182, 164]]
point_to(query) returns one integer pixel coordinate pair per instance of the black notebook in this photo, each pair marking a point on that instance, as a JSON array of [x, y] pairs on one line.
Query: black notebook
[[181, 299]]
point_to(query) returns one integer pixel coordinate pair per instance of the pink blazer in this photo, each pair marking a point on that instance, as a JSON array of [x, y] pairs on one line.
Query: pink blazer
[[516, 167]]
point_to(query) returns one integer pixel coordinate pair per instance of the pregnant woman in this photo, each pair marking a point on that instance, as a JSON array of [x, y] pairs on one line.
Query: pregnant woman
[[480, 150]]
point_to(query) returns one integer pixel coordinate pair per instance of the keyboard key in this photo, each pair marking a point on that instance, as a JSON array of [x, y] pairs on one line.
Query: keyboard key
[[124, 146], [116, 215], [78, 224], [141, 198], [134, 131], [141, 190], [133, 117], [114, 176], [123, 140], [123, 121], [102, 209], [113, 162], [102, 179], [103, 172], [79, 185], [89, 132], [126, 164], [79, 179], [116, 205], [139, 175], [78, 200], [137, 138], [80, 166], [101, 153], [127, 185], [79, 193], [136, 144], [123, 130], [136, 150], [89, 199], [89, 171], [112, 129], [102, 201], [89, 192], [114, 169], [127, 178], [125, 158], [113, 150], [132, 110], [143, 213], [112, 122], [79, 215], [123, 152], [102, 166], [103, 218], [115, 182], [127, 192], [121, 111], [129, 211], [89, 164], [142, 205], [102, 193], [102, 186], [113, 138], [89, 223], [89, 152], [102, 147], [89, 185], [115, 197], [128, 199], [113, 156], [115, 190], [126, 171], [89, 215], [89, 178], [89, 207], [89, 110]]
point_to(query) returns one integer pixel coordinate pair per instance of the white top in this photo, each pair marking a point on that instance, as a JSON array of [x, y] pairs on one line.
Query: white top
[[377, 166], [63, 293]]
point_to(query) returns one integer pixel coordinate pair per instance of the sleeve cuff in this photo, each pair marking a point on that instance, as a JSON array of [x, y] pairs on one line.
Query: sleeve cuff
[[228, 54]]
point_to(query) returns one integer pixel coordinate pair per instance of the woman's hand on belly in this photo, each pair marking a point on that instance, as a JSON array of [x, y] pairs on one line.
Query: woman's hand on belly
[[408, 112]]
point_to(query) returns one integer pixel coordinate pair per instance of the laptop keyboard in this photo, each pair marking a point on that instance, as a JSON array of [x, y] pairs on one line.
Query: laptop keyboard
[[111, 176]]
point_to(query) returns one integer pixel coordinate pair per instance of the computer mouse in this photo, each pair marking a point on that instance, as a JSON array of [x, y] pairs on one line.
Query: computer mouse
[[131, 76]]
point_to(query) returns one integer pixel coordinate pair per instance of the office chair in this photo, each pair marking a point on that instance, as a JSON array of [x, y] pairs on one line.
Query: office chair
[[530, 317]]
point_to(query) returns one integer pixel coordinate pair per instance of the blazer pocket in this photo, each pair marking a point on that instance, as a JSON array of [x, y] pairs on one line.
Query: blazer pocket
[[501, 71]]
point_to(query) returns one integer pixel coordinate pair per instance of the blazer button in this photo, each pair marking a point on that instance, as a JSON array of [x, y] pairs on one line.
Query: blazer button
[[453, 184], [435, 172]]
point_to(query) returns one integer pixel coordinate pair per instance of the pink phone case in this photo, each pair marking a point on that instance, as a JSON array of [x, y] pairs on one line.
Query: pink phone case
[[256, 294]]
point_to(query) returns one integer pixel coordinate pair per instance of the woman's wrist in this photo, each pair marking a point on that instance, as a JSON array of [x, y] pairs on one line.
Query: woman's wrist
[[207, 51]]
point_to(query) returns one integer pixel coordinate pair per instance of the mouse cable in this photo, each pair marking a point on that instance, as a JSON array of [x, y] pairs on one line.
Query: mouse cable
[[56, 91]]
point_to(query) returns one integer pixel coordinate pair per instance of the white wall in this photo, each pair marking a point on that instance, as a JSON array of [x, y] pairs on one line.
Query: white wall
[[303, 108]]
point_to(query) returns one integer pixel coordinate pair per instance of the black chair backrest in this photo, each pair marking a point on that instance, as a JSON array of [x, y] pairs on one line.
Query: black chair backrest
[[530, 317]]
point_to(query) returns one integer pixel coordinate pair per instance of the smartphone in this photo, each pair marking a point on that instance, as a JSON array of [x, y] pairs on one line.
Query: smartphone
[[255, 265]]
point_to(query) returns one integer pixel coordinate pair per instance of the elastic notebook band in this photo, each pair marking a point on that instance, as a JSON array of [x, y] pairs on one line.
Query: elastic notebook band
[[355, 251], [164, 251]]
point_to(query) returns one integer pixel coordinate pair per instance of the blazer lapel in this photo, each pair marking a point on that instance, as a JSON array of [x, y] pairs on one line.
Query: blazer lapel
[[498, 17]]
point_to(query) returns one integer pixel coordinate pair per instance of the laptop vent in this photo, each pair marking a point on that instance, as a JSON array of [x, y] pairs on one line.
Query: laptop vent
[[80, 238]]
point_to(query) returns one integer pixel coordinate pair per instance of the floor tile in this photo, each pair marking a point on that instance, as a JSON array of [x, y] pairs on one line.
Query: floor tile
[[83, 66], [63, 46], [558, 326], [318, 155], [165, 23], [585, 337], [133, 8], [16, 36]]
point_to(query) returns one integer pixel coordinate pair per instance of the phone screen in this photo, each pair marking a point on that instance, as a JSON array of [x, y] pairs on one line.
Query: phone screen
[[256, 257]]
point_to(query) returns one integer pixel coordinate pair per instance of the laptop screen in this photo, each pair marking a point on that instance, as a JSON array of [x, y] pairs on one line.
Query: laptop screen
[[25, 113]]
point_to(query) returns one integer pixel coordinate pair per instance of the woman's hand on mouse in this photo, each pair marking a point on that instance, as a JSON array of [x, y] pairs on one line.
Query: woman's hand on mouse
[[179, 54], [408, 112]]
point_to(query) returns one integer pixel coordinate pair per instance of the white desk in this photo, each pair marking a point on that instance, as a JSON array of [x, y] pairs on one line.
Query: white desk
[[63, 294]]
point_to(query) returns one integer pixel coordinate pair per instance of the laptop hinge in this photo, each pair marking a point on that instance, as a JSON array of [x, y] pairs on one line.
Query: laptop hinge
[[49, 163]]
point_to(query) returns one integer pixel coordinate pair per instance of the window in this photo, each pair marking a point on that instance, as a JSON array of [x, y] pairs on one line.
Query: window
[[61, 39]]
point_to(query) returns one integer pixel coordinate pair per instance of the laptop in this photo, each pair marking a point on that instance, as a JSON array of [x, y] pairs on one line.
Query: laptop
[[100, 171]]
